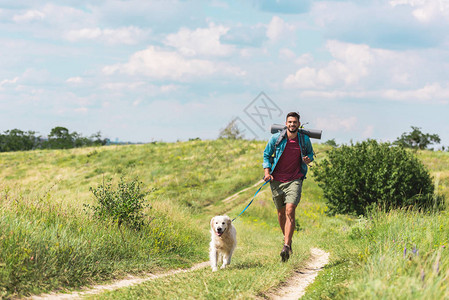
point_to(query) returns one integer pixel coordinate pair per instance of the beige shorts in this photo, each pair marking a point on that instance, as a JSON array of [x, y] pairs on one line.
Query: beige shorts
[[286, 192]]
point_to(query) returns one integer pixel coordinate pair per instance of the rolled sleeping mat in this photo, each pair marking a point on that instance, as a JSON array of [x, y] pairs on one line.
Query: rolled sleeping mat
[[312, 133], [277, 127]]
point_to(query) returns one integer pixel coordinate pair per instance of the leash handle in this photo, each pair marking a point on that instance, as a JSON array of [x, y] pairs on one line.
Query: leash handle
[[251, 199]]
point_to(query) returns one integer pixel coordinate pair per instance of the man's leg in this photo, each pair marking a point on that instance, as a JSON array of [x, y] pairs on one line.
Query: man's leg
[[285, 253], [286, 218], [289, 220], [282, 219], [293, 196]]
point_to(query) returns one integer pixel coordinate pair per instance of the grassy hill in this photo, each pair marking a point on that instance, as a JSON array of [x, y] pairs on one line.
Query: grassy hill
[[49, 242]]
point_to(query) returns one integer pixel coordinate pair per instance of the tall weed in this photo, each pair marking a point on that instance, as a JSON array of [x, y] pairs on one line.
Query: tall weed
[[123, 204]]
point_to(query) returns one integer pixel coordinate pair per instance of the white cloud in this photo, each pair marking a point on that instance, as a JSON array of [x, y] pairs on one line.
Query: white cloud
[[169, 88], [304, 59], [121, 86], [336, 94], [82, 110], [401, 78], [8, 82], [351, 63], [201, 41], [161, 64], [126, 35], [53, 14], [426, 10], [429, 93], [334, 123], [309, 78], [74, 80], [29, 16], [287, 54], [64, 15], [278, 28], [140, 87]]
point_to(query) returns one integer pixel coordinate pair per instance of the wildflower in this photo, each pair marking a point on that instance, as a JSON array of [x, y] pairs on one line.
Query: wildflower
[[405, 251]]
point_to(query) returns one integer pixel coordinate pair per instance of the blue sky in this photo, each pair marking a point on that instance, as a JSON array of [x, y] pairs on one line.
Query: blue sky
[[167, 70]]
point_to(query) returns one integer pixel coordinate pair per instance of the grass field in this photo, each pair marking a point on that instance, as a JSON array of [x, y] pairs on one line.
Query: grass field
[[48, 242]]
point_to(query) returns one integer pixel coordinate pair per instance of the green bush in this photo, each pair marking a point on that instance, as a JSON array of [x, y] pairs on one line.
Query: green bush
[[122, 205], [355, 178]]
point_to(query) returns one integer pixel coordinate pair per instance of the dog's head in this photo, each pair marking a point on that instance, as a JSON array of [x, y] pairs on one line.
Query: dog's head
[[220, 224]]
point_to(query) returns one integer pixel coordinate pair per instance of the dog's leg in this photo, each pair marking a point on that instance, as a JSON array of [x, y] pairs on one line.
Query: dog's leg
[[220, 258], [227, 258], [213, 256], [226, 261]]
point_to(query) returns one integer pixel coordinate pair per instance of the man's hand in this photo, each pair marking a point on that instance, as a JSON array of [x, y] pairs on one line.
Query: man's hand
[[306, 159], [267, 176]]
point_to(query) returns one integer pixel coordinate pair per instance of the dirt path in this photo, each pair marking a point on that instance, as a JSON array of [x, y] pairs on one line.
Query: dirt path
[[232, 197], [296, 286], [118, 284]]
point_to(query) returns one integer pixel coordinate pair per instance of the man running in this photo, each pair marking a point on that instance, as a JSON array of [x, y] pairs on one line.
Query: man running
[[285, 165]]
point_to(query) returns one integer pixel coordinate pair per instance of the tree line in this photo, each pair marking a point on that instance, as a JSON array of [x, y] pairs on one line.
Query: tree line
[[59, 138], [415, 139]]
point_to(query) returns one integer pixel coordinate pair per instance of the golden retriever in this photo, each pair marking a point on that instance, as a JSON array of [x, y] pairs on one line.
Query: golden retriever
[[223, 241]]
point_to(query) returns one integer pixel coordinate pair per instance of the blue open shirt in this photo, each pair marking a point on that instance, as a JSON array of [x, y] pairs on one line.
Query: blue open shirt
[[269, 149]]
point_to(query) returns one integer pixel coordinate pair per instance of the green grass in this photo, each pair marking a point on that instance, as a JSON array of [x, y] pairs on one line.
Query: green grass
[[47, 241], [397, 255]]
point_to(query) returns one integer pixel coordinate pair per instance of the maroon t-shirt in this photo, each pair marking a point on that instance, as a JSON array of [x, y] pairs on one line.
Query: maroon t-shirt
[[288, 167]]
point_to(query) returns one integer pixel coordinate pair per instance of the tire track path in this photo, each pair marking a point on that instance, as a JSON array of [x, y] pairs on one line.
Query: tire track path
[[130, 281], [295, 286]]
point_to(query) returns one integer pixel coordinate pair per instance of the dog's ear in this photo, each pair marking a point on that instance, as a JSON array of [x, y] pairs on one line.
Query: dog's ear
[[228, 221], [212, 222]]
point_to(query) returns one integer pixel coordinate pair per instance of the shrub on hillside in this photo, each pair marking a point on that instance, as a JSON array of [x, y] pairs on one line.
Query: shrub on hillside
[[123, 204], [357, 177]]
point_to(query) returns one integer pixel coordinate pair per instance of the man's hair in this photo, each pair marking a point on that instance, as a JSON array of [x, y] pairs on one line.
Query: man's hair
[[292, 114]]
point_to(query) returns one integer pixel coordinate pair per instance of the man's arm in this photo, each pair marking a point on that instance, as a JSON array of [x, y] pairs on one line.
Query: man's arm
[[267, 153], [309, 150]]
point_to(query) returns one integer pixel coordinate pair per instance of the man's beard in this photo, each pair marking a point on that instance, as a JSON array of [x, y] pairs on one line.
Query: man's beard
[[293, 131]]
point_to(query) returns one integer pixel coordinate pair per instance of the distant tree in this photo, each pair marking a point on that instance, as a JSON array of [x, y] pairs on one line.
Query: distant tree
[[97, 140], [60, 138], [194, 139], [417, 139], [79, 140], [18, 140], [331, 142], [231, 131]]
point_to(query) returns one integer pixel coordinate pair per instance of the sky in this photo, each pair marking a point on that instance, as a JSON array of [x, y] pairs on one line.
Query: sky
[[168, 70]]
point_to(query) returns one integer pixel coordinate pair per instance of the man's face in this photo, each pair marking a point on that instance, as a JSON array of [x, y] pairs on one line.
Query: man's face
[[292, 124]]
